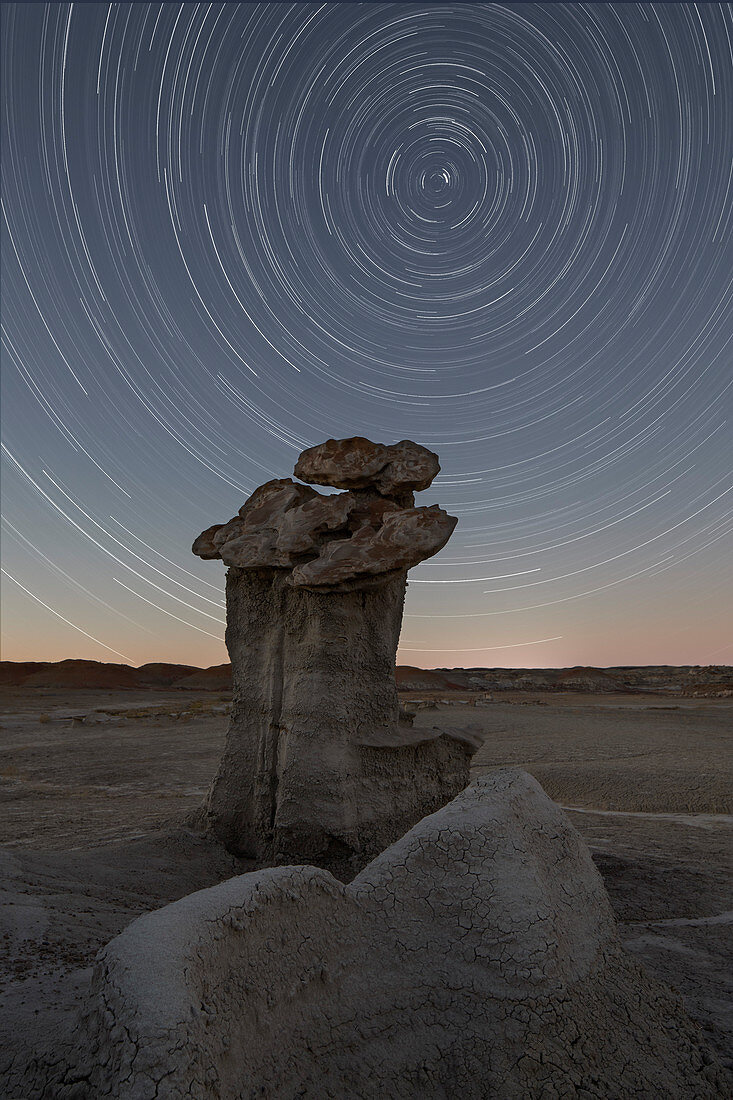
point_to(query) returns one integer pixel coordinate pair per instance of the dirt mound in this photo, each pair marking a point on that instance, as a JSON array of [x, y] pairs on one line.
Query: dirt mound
[[477, 957], [83, 674], [160, 674], [15, 673], [410, 678], [584, 678], [97, 675], [216, 678]]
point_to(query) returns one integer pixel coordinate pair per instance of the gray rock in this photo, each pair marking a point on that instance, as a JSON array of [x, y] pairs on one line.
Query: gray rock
[[477, 957], [317, 766]]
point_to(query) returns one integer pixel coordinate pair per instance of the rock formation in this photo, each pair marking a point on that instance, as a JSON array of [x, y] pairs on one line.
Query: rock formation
[[317, 767], [477, 957]]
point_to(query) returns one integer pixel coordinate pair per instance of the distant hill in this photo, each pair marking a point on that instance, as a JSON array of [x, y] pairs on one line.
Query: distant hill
[[410, 678], [88, 674], [655, 679], [164, 675], [216, 678], [99, 676], [658, 679]]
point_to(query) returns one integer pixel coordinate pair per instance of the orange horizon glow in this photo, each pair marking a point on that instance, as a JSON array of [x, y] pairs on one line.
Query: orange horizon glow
[[562, 659]]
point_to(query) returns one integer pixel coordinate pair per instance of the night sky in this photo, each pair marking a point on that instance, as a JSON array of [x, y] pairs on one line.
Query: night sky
[[232, 231]]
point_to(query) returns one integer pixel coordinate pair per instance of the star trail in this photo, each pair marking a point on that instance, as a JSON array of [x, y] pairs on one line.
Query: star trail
[[231, 231]]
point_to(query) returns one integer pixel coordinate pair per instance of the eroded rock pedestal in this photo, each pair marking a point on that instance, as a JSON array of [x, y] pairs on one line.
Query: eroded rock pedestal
[[317, 766]]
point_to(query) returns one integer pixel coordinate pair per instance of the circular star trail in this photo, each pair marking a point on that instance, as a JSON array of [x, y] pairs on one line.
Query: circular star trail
[[503, 230]]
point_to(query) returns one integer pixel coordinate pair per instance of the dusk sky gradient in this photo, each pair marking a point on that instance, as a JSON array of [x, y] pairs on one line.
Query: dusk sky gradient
[[505, 231]]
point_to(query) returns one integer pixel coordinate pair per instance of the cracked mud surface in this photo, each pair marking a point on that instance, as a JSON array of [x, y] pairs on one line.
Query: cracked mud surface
[[475, 957], [89, 813]]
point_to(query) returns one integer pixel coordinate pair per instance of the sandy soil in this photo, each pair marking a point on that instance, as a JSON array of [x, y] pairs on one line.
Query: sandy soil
[[627, 753], [91, 803]]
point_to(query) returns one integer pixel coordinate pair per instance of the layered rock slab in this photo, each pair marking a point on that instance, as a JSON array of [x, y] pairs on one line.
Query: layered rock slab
[[477, 957], [330, 542]]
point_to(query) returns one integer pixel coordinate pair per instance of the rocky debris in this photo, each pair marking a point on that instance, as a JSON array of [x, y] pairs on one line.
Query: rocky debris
[[476, 957], [317, 765], [414, 704], [357, 463]]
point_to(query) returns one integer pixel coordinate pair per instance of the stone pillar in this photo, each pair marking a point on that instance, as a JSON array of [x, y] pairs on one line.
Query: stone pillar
[[316, 766]]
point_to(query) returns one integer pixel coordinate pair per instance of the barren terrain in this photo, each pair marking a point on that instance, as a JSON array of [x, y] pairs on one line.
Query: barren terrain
[[94, 785]]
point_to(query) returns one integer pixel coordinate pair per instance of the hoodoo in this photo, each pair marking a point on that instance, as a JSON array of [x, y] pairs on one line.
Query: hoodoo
[[317, 766]]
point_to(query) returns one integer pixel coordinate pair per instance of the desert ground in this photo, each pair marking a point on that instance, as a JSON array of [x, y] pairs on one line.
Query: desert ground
[[94, 786]]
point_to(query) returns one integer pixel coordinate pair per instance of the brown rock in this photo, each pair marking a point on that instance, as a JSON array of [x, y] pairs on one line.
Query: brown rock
[[273, 498], [204, 546], [347, 538], [404, 538], [303, 529], [358, 463]]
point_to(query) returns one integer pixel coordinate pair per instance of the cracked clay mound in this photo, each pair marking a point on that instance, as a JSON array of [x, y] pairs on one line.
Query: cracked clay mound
[[476, 957]]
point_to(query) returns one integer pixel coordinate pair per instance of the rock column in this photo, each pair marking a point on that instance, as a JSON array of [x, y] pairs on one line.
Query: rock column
[[316, 766]]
